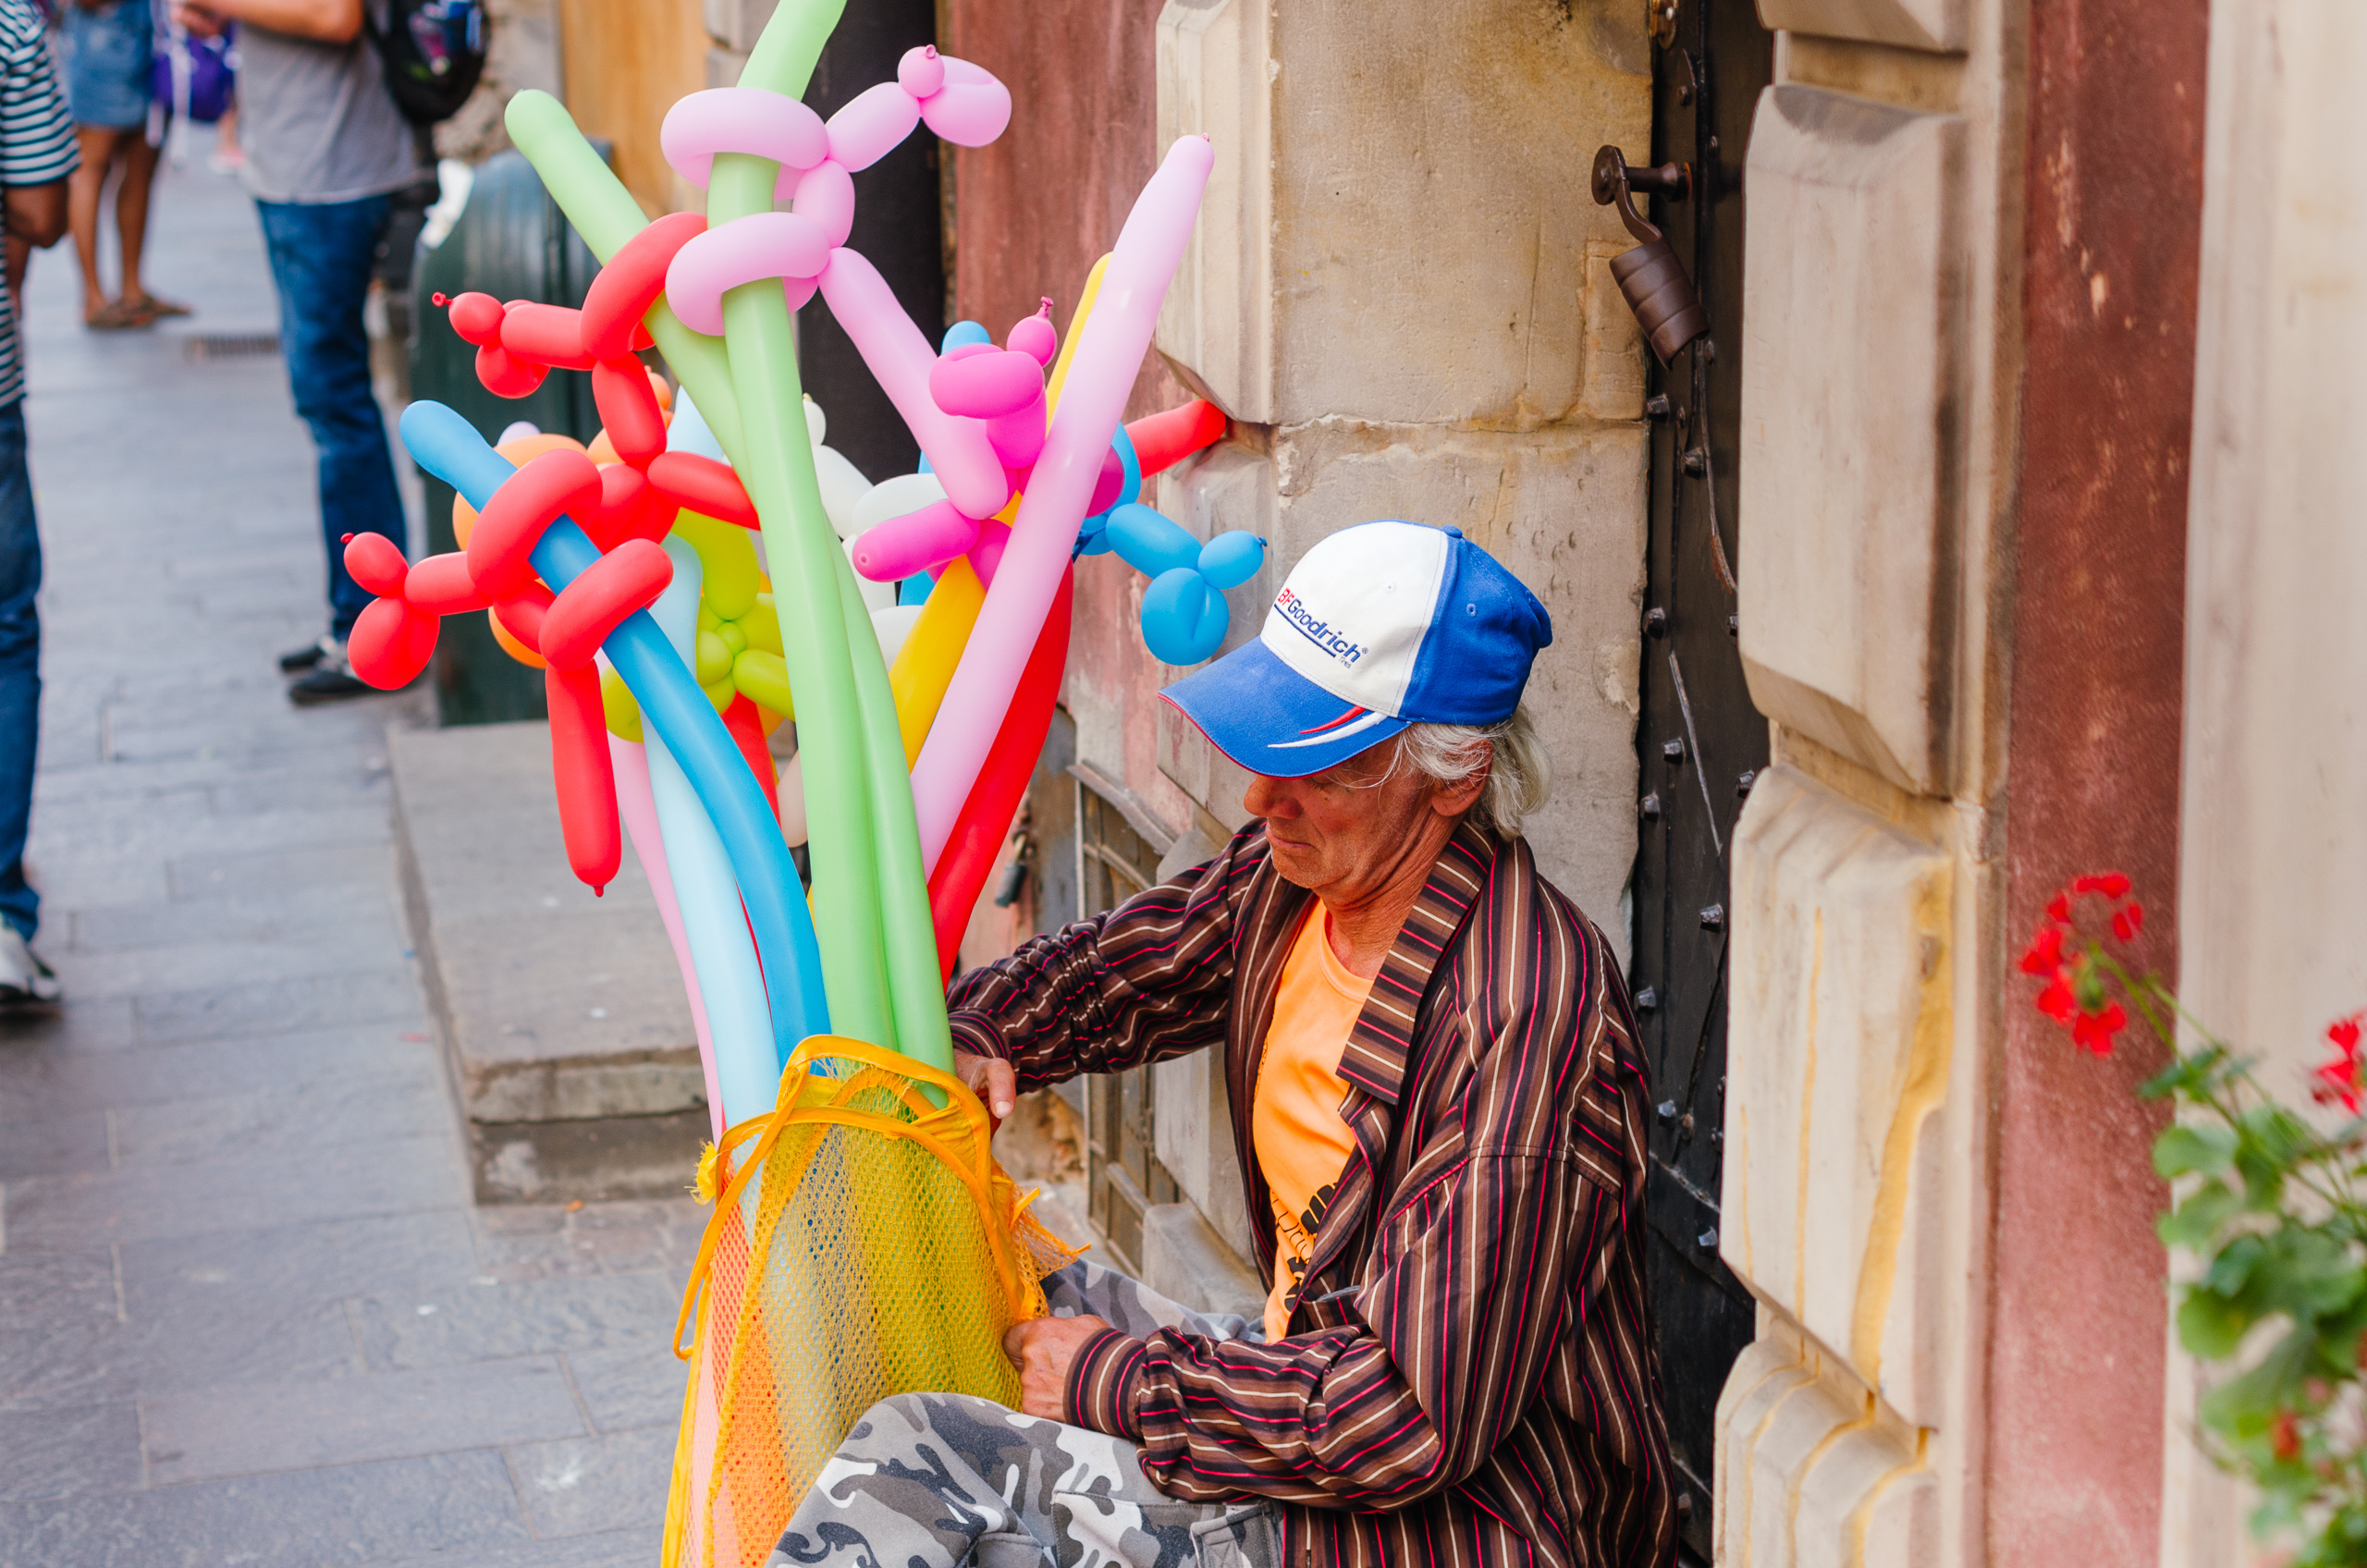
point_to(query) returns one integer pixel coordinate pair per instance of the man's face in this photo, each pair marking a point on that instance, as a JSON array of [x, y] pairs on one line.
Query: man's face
[[1343, 832]]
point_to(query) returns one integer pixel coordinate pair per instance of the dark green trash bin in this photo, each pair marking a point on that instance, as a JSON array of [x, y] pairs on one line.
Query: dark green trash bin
[[511, 242]]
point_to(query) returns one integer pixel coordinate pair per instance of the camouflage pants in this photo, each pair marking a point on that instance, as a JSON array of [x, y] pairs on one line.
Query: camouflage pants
[[944, 1480]]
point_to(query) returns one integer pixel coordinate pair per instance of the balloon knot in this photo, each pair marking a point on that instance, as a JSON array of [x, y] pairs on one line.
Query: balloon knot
[[600, 890], [1044, 309], [345, 538], [440, 299]]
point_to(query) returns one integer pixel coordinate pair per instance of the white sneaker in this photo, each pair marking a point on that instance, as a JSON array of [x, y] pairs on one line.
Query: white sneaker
[[23, 978]]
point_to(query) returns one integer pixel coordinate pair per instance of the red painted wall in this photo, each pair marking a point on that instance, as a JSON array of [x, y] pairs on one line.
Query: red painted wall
[[1031, 213], [2111, 246]]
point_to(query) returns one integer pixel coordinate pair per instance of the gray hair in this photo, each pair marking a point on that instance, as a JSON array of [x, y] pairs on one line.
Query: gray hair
[[1519, 778]]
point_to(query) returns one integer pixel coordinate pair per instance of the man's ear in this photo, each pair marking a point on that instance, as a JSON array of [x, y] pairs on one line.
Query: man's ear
[[1463, 796]]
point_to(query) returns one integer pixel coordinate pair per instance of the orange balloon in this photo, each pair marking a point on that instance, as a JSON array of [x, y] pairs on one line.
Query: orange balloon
[[521, 451], [513, 647], [602, 451]]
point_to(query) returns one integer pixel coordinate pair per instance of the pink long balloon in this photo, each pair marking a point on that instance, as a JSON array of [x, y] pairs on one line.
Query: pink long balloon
[[1101, 375], [900, 359], [638, 809]]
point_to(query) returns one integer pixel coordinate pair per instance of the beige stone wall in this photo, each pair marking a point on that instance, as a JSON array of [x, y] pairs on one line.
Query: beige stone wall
[[1865, 955], [2274, 798], [1398, 290]]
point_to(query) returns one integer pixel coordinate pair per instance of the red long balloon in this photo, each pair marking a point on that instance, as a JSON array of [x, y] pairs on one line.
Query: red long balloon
[[631, 508], [623, 290], [441, 585], [586, 780], [1162, 440], [546, 335], [969, 854], [391, 642], [629, 411], [514, 518], [505, 374], [747, 732], [611, 588], [522, 616], [704, 485]]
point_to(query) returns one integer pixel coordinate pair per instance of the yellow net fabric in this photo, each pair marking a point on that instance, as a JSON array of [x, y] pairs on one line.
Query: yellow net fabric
[[867, 1245]]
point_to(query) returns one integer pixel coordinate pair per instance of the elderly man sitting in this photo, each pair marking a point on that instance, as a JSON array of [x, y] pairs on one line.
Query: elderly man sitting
[[1438, 1105]]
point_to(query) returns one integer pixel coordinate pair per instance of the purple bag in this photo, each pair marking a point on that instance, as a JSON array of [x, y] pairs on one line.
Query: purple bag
[[194, 76]]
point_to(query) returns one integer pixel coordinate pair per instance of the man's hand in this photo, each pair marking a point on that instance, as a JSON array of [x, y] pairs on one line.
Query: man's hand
[[991, 1080], [1045, 1350]]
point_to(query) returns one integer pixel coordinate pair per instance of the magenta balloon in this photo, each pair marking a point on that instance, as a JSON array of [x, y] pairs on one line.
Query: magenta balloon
[[1108, 356], [826, 194], [743, 120], [868, 128], [900, 359], [782, 245], [920, 541], [987, 385]]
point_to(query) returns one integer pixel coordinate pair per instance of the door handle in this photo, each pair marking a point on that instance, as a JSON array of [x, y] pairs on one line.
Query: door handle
[[1650, 277]]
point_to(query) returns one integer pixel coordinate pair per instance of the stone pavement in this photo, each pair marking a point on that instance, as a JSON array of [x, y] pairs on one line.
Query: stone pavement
[[247, 1314]]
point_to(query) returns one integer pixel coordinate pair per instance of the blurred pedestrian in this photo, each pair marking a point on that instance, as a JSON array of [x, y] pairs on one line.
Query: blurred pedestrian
[[109, 67], [37, 155], [324, 148]]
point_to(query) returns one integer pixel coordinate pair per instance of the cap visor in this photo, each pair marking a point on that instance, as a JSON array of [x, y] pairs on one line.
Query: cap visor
[[1273, 720]]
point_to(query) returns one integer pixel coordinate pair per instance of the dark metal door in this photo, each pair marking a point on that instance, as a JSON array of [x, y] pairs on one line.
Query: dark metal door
[[1700, 740]]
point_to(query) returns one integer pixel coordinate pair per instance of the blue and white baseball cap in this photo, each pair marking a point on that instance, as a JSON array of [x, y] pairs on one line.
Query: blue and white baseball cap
[[1379, 626]]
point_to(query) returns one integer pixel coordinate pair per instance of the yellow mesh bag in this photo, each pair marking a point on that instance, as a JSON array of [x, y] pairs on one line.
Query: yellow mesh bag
[[866, 1245]]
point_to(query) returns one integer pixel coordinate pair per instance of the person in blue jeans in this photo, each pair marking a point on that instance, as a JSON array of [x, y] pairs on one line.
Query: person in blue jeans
[[324, 148], [37, 155]]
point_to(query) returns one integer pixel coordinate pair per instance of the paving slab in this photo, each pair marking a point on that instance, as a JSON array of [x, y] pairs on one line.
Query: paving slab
[[562, 1014], [232, 1166], [275, 1426]]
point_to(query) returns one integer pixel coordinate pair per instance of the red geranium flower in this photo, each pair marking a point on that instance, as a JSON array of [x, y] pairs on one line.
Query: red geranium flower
[[2128, 921], [2096, 1030], [2045, 955]]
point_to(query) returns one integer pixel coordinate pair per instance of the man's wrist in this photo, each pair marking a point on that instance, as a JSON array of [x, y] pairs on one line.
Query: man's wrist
[[974, 1035], [1103, 1383]]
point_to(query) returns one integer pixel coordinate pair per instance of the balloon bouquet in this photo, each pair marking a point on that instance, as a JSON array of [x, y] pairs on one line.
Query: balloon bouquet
[[863, 1240]]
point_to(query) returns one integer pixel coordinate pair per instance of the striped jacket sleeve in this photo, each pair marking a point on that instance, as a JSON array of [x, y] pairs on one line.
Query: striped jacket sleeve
[[36, 134], [1476, 1275], [1145, 981]]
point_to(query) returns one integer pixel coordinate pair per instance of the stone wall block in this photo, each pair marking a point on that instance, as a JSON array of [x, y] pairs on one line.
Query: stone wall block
[[1793, 1436], [1836, 1060], [1429, 215], [1866, 1473], [1768, 1369], [1853, 302], [1610, 379], [1937, 25], [1216, 326]]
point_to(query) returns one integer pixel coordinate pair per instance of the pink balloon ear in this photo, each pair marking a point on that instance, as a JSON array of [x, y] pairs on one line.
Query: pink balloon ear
[[987, 385], [375, 562], [968, 114], [1035, 336], [921, 72]]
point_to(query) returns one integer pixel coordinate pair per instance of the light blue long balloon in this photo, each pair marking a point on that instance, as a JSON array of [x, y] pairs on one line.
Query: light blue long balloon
[[676, 710], [747, 1065]]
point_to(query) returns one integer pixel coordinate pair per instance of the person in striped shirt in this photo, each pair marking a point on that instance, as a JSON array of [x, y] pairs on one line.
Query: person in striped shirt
[[37, 157], [1439, 1106]]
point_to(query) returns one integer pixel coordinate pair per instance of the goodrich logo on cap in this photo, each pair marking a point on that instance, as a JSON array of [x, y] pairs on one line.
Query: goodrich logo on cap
[[1315, 630], [1355, 609]]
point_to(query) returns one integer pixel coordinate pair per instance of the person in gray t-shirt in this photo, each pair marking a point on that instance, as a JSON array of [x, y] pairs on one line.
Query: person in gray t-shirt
[[324, 147]]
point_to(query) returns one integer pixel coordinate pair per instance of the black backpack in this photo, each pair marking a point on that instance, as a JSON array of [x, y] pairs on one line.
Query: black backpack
[[434, 52]]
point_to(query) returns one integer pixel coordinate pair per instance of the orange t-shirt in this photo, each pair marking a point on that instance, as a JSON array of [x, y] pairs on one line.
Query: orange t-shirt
[[1303, 1143]]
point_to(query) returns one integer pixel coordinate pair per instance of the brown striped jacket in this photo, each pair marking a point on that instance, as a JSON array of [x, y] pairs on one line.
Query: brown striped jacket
[[1469, 1376]]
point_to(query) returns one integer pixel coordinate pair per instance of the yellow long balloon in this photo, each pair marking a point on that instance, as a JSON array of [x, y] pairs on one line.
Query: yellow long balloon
[[924, 666]]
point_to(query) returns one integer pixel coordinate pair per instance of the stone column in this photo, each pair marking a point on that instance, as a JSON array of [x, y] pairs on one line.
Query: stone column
[[1866, 951]]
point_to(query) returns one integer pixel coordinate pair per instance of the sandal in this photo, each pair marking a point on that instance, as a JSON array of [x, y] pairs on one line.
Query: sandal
[[114, 316], [150, 308]]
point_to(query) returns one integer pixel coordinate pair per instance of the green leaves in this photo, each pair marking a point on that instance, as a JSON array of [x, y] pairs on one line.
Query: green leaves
[[2183, 1149]]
